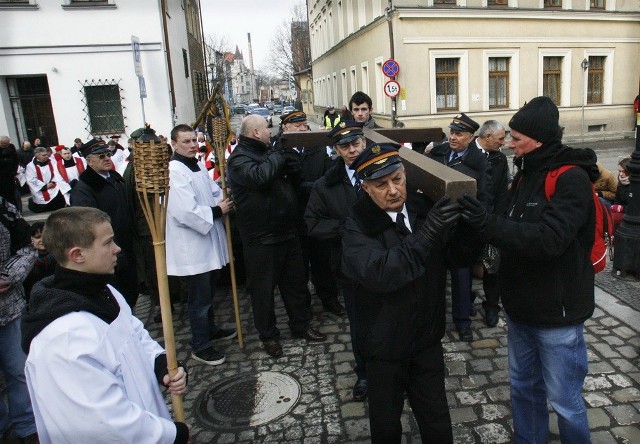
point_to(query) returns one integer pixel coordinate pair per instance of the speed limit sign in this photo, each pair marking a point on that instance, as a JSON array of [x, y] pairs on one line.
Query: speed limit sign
[[392, 88]]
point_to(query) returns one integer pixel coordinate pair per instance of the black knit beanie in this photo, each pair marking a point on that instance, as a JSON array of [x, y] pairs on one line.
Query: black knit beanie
[[538, 119]]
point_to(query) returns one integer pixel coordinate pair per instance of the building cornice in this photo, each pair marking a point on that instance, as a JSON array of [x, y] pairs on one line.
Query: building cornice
[[515, 13], [518, 40], [75, 49]]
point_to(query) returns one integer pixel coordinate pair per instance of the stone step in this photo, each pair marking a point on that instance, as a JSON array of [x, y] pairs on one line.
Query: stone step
[[29, 215]]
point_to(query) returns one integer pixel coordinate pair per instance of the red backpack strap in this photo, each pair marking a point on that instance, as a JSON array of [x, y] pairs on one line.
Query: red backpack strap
[[551, 179]]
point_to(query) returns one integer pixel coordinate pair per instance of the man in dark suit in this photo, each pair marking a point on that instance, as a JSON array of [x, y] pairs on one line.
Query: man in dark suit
[[463, 156]]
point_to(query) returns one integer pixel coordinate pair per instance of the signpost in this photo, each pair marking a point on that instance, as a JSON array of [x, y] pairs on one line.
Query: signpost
[[391, 68], [392, 88]]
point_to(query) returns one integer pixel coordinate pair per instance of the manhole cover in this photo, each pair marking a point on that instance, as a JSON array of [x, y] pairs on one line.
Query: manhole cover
[[248, 400]]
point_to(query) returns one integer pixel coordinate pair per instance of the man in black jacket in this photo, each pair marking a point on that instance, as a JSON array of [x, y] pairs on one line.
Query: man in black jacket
[[545, 276], [395, 259], [326, 214], [101, 187], [490, 138], [463, 156], [263, 183]]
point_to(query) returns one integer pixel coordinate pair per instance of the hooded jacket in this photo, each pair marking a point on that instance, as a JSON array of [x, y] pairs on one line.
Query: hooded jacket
[[546, 275]]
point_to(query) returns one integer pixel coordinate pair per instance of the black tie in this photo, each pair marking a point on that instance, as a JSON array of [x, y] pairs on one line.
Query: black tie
[[402, 227], [357, 185], [454, 157]]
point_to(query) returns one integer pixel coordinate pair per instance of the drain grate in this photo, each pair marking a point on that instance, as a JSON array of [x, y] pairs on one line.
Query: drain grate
[[248, 400]]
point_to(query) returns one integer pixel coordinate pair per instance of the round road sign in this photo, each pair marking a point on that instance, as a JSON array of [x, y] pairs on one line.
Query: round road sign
[[390, 68], [392, 88]]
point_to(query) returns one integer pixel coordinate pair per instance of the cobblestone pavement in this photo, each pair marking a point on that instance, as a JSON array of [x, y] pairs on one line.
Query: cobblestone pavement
[[476, 379]]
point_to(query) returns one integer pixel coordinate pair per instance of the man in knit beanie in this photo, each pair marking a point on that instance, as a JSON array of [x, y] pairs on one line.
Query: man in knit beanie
[[545, 276]]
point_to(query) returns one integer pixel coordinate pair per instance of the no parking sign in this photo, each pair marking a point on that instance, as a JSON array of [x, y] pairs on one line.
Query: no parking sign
[[390, 68]]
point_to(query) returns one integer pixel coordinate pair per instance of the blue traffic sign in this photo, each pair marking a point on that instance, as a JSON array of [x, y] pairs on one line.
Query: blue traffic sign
[[390, 68]]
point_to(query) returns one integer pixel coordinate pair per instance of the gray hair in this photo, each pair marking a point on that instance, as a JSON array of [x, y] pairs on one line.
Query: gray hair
[[490, 127], [40, 149]]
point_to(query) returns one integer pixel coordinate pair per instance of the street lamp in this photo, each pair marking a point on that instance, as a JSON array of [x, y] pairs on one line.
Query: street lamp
[[585, 66]]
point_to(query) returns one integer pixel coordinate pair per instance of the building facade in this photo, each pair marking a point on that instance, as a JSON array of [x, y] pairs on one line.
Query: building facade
[[76, 77], [482, 57]]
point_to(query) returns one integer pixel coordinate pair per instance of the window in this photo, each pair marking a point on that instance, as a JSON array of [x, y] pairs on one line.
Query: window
[[199, 87], [498, 82], [553, 3], [552, 78], [447, 84], [13, 1], [185, 60], [598, 4], [444, 2], [104, 108], [496, 2], [595, 80]]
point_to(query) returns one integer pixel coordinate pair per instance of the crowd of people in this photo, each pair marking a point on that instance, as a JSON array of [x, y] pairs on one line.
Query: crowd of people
[[347, 223]]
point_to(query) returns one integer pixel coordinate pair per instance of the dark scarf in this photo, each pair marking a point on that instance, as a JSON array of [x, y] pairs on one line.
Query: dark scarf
[[65, 292], [190, 162]]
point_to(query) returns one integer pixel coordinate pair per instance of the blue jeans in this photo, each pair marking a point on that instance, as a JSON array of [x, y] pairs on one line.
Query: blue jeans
[[12, 360], [200, 290], [547, 363]]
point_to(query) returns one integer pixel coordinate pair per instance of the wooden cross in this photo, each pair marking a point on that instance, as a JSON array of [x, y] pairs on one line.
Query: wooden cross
[[432, 178]]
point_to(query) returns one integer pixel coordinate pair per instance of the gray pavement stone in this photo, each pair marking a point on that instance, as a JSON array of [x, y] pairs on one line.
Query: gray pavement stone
[[598, 418], [493, 433], [627, 434], [624, 414], [626, 395], [597, 368], [596, 383], [491, 412], [461, 415], [596, 399], [620, 380], [602, 437]]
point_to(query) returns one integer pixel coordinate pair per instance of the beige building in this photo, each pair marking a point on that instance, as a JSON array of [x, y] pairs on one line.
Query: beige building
[[481, 57]]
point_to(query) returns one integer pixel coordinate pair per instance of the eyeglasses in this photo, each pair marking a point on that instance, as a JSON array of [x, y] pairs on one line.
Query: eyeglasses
[[103, 155]]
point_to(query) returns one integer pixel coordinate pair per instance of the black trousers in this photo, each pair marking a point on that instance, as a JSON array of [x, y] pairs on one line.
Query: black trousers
[[54, 204], [317, 263], [422, 378], [348, 292], [277, 264], [491, 291]]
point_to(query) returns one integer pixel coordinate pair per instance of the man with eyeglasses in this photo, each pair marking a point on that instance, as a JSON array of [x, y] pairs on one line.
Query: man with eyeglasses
[[325, 216], [99, 186]]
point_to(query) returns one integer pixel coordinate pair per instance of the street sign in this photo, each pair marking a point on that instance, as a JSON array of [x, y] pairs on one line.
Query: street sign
[[143, 87], [294, 94], [392, 88], [390, 68], [137, 57]]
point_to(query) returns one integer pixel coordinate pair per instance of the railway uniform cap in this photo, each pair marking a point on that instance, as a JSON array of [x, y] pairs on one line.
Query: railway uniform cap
[[377, 160], [295, 116], [94, 146], [346, 131], [464, 123]]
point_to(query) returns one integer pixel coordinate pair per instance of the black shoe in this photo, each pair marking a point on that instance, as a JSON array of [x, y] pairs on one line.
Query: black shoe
[[209, 356], [465, 334], [334, 306], [491, 318], [224, 333], [360, 390], [311, 335], [273, 348]]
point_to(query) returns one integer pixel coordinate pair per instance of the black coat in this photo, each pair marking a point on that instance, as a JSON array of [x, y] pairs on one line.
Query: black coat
[[25, 156], [546, 276], [328, 209], [473, 164], [93, 190], [623, 194], [263, 186], [499, 182], [400, 283]]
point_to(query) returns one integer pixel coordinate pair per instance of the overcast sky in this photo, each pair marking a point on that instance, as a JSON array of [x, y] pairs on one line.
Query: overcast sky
[[234, 19]]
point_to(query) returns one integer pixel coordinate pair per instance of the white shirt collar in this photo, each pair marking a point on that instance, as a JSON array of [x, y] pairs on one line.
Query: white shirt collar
[[394, 215]]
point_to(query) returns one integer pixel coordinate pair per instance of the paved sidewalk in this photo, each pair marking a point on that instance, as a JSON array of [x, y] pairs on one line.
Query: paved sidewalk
[[477, 381]]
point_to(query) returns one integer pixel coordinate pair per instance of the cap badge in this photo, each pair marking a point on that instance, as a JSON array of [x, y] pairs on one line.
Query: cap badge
[[375, 150]]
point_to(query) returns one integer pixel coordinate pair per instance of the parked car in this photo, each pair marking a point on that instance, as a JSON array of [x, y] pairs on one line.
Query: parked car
[[264, 112], [277, 108], [251, 107], [287, 109], [268, 105], [239, 109]]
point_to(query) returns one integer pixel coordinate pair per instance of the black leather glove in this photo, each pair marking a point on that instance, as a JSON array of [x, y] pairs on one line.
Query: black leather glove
[[442, 217], [473, 212]]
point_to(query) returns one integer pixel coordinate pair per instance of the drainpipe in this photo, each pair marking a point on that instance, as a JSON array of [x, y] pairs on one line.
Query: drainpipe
[[387, 14], [167, 53]]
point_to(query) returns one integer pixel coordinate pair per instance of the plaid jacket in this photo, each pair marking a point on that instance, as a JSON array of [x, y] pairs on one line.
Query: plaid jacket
[[13, 268]]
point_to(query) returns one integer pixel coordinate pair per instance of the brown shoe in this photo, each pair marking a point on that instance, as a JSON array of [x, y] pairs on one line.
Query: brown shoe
[[273, 348]]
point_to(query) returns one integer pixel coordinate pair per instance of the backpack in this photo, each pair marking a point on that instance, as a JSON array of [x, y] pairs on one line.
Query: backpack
[[603, 225]]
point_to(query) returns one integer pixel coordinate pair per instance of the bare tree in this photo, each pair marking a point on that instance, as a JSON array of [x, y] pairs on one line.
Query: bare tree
[[290, 45], [215, 48]]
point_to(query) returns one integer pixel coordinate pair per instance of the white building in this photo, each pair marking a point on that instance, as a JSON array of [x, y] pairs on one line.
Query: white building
[[67, 68]]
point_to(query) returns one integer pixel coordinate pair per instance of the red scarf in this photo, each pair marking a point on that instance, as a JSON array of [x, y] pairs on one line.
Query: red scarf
[[63, 170], [45, 193]]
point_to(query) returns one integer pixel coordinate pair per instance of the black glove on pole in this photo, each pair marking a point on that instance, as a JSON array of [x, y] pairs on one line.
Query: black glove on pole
[[440, 219], [473, 212]]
